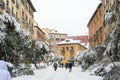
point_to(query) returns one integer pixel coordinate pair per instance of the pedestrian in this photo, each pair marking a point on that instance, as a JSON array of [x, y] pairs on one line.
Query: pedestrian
[[4, 73], [66, 65], [62, 65], [55, 65], [70, 66]]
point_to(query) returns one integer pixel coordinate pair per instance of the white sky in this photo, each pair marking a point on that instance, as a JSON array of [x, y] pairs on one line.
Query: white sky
[[66, 16]]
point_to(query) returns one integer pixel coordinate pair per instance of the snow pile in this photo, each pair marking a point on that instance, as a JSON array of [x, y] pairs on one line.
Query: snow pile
[[110, 66], [60, 74], [9, 64], [23, 69], [41, 65]]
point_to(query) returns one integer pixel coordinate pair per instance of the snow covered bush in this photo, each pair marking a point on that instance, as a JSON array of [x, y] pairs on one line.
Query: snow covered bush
[[23, 69], [89, 56]]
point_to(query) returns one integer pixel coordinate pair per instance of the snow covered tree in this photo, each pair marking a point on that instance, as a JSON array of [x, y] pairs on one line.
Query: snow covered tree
[[14, 40]]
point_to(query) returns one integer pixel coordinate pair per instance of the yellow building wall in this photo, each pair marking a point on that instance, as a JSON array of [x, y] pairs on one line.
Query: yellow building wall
[[76, 47]]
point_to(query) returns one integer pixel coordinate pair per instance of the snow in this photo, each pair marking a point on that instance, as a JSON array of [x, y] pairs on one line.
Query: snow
[[9, 64], [8, 18], [71, 41], [39, 44], [61, 74], [110, 66]]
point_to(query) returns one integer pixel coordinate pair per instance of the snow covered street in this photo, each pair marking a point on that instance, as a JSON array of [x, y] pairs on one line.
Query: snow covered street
[[61, 74]]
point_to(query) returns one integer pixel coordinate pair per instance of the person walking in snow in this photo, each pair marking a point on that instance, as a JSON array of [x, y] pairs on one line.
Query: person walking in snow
[[55, 66], [70, 66], [62, 65], [66, 65], [4, 73]]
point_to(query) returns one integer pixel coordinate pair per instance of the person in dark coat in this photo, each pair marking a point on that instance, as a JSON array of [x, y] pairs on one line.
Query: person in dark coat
[[70, 66], [66, 65], [62, 65], [55, 66]]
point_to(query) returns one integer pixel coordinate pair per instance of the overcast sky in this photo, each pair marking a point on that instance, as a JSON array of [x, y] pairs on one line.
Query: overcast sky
[[66, 16]]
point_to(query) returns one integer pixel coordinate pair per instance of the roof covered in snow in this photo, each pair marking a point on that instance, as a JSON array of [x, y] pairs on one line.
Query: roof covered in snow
[[83, 38], [71, 41]]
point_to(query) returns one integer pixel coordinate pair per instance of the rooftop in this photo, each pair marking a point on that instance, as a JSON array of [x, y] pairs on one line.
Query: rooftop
[[71, 41]]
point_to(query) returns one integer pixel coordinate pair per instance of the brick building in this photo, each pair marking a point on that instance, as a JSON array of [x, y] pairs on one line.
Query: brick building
[[96, 27]]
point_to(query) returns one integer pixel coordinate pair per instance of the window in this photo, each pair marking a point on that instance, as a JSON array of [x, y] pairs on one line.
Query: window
[[17, 15], [7, 2], [22, 14], [13, 11], [17, 5], [67, 48], [67, 40], [63, 50], [26, 18], [71, 50]]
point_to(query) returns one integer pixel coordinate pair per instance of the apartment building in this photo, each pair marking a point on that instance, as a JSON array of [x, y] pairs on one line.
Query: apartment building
[[39, 35], [96, 27], [55, 38], [111, 13], [47, 36], [22, 10]]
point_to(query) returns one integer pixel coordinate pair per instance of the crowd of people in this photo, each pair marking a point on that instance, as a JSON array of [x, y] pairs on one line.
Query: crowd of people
[[66, 65]]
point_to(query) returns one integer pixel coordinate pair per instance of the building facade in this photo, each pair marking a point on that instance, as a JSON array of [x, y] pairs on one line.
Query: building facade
[[22, 10], [47, 36], [111, 14], [69, 48], [96, 27], [55, 38], [39, 35]]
